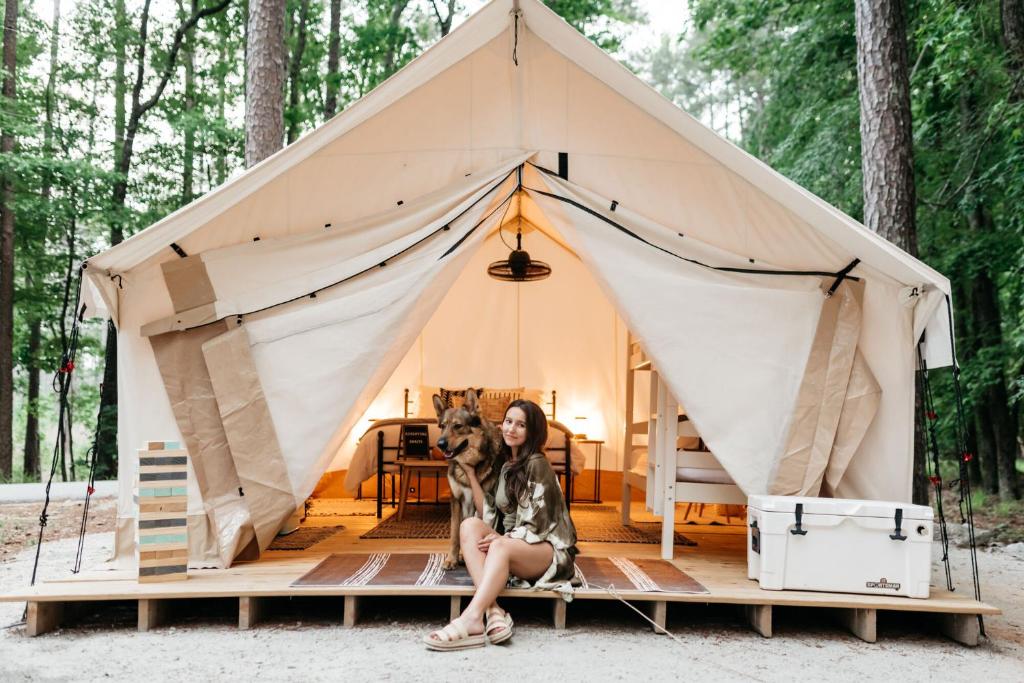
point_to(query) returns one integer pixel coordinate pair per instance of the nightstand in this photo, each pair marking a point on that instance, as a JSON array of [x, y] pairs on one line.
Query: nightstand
[[597, 444]]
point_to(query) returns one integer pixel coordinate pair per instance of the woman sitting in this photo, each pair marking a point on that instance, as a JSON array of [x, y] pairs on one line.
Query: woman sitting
[[536, 550]]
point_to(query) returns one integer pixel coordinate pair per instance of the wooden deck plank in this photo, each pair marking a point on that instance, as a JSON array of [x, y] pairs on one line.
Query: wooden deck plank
[[718, 562], [862, 623], [152, 613], [760, 619], [250, 611], [43, 617], [558, 613], [963, 628]]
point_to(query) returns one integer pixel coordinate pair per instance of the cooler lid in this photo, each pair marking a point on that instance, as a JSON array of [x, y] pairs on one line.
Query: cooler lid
[[840, 506]]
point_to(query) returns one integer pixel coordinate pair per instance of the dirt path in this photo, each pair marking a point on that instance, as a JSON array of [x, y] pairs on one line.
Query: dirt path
[[603, 641]]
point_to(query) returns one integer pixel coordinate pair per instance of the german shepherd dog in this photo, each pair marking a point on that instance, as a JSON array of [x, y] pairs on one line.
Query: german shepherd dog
[[467, 438]]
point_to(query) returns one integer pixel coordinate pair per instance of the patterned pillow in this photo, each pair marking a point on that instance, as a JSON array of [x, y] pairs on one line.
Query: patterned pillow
[[494, 402], [455, 398]]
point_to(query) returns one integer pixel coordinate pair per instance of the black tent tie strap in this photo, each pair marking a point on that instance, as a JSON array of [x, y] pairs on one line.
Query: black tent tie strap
[[842, 275], [444, 228], [178, 250], [515, 42], [898, 536], [483, 220], [724, 269]]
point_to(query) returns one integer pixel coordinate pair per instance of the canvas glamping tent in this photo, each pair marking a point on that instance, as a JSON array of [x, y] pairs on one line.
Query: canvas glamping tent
[[260, 323]]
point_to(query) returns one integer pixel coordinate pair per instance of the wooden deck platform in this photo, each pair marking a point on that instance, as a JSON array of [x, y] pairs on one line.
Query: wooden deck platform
[[718, 562]]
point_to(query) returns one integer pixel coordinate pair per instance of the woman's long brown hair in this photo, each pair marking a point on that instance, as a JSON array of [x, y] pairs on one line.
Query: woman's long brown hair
[[536, 439]]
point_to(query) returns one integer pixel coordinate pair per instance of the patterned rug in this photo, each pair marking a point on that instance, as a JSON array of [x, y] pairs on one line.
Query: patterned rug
[[594, 523], [304, 537], [424, 569]]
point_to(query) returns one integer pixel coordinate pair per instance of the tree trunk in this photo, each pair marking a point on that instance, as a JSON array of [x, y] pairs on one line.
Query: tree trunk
[[988, 334], [106, 438], [295, 72], [31, 461], [444, 24], [1012, 15], [7, 252], [885, 125], [333, 48], [222, 97], [188, 56], [394, 23], [887, 146], [264, 85]]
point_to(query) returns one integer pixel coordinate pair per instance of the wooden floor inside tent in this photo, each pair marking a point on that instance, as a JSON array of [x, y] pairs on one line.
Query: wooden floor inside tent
[[718, 562]]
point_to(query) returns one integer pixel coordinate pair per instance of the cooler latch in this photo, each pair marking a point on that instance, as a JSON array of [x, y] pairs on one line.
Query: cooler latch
[[799, 530], [755, 537], [898, 536]]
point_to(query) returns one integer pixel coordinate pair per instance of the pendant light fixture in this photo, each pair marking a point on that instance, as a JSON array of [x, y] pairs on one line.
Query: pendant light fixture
[[518, 267]]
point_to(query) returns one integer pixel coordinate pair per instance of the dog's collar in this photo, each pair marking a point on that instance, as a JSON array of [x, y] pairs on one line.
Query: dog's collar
[[458, 449]]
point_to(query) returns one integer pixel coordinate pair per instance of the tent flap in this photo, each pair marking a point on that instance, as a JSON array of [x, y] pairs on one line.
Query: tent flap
[[190, 390], [250, 432], [823, 395]]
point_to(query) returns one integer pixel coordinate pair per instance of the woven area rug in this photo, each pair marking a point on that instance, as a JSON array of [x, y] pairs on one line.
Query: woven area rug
[[424, 569], [304, 537], [594, 523]]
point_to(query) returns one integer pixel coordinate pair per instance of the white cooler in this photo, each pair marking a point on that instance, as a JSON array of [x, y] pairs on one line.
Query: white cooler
[[845, 546]]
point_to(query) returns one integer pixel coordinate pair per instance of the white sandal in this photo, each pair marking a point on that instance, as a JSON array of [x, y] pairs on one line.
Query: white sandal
[[454, 636], [499, 626]]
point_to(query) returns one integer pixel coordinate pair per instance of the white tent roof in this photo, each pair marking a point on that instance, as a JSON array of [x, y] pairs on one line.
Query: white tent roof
[[483, 27], [647, 199]]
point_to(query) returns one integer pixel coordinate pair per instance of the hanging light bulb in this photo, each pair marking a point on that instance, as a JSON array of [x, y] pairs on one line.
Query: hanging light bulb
[[519, 267]]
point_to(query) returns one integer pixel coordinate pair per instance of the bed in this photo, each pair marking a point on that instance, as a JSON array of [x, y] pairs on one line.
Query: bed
[[385, 440]]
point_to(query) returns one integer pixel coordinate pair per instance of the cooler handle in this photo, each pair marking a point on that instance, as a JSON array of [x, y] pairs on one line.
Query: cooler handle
[[799, 530], [898, 536]]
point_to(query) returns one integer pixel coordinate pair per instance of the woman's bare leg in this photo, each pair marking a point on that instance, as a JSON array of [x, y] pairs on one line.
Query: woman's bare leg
[[506, 555], [471, 532]]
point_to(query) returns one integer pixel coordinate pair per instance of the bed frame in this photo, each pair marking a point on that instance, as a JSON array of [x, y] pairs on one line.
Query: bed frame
[[562, 470], [661, 486]]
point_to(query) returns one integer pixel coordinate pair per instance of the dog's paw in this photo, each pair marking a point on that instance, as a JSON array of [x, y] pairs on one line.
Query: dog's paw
[[450, 563]]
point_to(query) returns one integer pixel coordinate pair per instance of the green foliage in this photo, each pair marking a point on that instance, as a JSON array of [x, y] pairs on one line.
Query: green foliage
[[797, 66]]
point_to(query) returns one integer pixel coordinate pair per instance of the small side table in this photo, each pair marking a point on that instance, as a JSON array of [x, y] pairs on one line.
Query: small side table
[[597, 444], [406, 466]]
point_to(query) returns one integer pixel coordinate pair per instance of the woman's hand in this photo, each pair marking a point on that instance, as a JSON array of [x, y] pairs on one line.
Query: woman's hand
[[485, 543], [470, 471]]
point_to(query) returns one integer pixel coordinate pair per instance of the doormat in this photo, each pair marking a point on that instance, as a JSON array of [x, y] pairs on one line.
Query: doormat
[[406, 570], [304, 537], [594, 523]]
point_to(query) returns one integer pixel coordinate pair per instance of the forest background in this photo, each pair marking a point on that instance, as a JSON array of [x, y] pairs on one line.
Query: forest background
[[116, 112]]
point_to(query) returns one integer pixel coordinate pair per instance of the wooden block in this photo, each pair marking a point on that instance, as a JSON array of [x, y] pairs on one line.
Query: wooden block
[[760, 618], [559, 613], [455, 608], [659, 615], [180, 554], [157, 505], [163, 445], [963, 628], [250, 610], [152, 613], [861, 623], [351, 611], [43, 617]]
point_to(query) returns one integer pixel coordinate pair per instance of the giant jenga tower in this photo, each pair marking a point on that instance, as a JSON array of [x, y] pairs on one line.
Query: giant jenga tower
[[162, 535]]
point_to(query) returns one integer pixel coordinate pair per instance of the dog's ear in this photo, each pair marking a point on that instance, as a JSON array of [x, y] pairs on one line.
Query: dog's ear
[[439, 407], [471, 401]]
